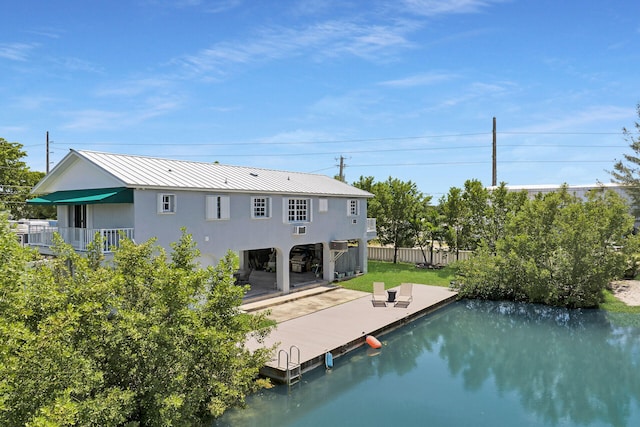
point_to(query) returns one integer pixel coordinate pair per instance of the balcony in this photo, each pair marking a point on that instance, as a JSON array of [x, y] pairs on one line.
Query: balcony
[[79, 238], [371, 229]]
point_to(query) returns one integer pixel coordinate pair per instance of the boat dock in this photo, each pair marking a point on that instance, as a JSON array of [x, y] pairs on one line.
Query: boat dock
[[337, 326]]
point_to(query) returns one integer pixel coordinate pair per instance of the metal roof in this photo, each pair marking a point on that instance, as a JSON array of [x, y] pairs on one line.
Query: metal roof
[[149, 172]]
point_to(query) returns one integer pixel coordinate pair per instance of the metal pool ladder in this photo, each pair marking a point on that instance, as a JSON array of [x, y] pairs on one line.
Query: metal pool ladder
[[291, 367]]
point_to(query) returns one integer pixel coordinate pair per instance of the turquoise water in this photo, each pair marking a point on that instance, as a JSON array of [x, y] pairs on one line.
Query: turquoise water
[[473, 364]]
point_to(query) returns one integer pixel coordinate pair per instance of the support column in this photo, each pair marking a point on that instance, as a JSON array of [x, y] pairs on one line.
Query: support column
[[282, 271], [363, 255], [328, 264]]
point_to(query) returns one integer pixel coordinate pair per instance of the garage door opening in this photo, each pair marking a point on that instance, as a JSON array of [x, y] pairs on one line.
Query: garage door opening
[[305, 265]]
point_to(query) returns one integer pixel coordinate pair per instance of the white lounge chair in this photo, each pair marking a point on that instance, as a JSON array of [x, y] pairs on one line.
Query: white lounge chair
[[405, 296], [379, 296]]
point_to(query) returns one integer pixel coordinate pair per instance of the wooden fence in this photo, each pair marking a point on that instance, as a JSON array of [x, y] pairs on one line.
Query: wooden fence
[[415, 256]]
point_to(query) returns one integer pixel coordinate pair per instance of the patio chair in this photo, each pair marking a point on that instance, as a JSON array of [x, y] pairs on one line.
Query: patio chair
[[242, 276], [379, 296], [405, 296]]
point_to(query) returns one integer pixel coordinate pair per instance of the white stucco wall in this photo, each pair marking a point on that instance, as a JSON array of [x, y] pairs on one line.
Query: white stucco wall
[[242, 232]]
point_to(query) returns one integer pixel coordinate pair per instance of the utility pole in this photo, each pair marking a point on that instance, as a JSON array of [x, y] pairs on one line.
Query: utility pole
[[47, 167], [341, 174], [494, 178]]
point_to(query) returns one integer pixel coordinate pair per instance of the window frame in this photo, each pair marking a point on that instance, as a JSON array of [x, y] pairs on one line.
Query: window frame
[[255, 209], [168, 207], [292, 214], [353, 207]]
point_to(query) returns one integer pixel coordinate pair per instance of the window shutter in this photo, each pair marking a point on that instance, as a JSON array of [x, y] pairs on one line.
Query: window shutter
[[225, 207], [160, 203], [210, 207]]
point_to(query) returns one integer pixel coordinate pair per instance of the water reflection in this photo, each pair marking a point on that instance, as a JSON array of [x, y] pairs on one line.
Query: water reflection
[[564, 365], [550, 366]]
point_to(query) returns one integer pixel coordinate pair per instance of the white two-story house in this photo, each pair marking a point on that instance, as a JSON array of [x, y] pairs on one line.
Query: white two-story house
[[295, 226]]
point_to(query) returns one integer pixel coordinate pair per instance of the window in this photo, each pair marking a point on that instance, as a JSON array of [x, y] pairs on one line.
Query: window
[[261, 207], [323, 205], [353, 207], [298, 210], [166, 203], [217, 207]]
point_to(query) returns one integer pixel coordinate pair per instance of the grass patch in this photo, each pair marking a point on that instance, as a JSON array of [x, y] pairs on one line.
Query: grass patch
[[394, 274], [614, 305]]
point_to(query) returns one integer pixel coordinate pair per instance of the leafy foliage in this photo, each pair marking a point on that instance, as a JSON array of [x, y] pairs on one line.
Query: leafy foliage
[[474, 214], [16, 181], [627, 171], [146, 341], [396, 206], [556, 250]]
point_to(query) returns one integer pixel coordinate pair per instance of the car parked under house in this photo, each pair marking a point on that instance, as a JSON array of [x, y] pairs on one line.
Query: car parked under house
[[271, 219]]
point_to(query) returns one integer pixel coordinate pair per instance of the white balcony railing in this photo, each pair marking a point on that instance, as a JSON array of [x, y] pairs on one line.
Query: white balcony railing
[[78, 238], [371, 225]]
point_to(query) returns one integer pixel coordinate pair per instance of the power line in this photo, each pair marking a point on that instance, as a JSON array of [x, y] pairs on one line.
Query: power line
[[345, 141], [395, 150], [478, 163]]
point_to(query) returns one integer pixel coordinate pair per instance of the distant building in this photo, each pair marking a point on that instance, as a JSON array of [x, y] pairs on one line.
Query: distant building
[[577, 190]]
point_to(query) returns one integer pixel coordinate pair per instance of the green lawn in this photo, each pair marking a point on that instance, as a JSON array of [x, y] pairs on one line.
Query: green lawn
[[394, 274]]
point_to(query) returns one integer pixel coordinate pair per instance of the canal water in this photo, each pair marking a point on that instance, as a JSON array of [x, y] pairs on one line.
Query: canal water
[[473, 363]]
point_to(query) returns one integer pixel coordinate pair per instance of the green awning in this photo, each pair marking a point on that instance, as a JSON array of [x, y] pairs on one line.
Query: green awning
[[85, 197]]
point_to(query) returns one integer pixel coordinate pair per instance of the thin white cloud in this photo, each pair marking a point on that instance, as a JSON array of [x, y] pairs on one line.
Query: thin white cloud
[[321, 40], [440, 7], [302, 136], [76, 64], [48, 32], [94, 120], [584, 120], [134, 87], [474, 91], [353, 104], [425, 79], [221, 6], [208, 6], [16, 51], [34, 102]]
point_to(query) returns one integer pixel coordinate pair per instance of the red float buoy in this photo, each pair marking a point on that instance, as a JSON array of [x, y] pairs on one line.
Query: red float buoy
[[373, 342]]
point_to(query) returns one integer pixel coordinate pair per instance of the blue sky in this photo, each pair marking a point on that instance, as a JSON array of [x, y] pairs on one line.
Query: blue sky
[[402, 88]]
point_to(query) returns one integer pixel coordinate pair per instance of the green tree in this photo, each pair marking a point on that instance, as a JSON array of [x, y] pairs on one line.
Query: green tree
[[146, 341], [501, 206], [428, 228], [627, 171], [453, 209], [475, 202], [16, 181], [396, 206], [556, 250]]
